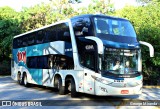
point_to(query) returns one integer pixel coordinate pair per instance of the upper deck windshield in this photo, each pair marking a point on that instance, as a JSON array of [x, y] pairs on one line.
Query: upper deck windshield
[[113, 26], [119, 61]]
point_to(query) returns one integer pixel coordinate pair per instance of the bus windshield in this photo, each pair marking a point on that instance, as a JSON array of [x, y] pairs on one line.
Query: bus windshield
[[119, 61], [113, 26]]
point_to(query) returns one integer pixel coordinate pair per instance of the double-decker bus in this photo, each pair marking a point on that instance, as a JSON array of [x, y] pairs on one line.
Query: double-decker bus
[[93, 54]]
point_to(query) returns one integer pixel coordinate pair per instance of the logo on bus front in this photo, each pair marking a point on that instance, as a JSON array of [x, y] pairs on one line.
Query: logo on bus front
[[89, 47], [21, 56]]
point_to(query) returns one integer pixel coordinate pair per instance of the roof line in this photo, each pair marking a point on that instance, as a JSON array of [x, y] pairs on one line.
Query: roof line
[[46, 26]]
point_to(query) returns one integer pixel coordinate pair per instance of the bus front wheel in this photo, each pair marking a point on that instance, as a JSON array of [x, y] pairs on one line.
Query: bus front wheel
[[73, 88]]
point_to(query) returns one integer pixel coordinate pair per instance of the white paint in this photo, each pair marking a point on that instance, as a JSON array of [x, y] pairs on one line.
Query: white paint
[[151, 49]]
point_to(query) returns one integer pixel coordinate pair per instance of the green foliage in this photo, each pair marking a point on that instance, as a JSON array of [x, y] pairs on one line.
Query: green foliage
[[44, 14], [9, 26], [146, 22], [98, 6]]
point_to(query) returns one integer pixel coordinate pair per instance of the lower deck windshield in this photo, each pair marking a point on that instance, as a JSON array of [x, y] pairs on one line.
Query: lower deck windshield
[[119, 61]]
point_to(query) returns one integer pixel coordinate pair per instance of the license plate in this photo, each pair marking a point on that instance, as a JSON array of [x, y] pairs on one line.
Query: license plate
[[124, 91]]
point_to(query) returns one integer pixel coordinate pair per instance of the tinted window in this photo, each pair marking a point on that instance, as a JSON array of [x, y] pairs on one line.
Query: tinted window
[[65, 62], [87, 54], [37, 62], [50, 61], [87, 59], [32, 62], [54, 33], [15, 41], [82, 27], [42, 62], [63, 32], [31, 38], [24, 41], [51, 34], [19, 42], [40, 37], [58, 32]]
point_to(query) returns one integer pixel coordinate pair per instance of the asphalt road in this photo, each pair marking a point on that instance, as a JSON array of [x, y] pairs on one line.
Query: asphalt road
[[11, 90]]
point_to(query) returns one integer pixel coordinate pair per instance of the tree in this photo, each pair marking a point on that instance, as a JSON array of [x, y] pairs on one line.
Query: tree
[[146, 22], [74, 1], [9, 27], [145, 2], [98, 7], [44, 14], [34, 17]]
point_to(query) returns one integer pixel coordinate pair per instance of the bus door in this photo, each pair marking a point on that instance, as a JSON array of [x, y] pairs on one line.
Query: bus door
[[89, 70]]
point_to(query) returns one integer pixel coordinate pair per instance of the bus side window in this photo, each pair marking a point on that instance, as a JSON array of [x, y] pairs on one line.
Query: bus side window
[[15, 43], [50, 34], [19, 42], [40, 62], [64, 62], [32, 62], [63, 32], [40, 37], [45, 62], [50, 61], [24, 41], [87, 52], [31, 38], [89, 61]]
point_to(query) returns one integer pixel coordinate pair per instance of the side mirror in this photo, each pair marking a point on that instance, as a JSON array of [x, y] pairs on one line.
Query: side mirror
[[151, 49]]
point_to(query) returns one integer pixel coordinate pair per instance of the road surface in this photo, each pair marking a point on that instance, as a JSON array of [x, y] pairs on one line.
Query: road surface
[[11, 90]]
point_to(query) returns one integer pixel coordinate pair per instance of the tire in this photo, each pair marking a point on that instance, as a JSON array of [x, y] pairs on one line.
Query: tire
[[61, 89], [73, 88], [25, 80], [56, 83], [20, 80]]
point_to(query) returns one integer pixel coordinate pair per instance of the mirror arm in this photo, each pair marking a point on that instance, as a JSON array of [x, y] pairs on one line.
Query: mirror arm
[[151, 49]]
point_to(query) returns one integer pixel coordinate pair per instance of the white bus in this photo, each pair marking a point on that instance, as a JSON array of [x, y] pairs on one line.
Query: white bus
[[93, 54]]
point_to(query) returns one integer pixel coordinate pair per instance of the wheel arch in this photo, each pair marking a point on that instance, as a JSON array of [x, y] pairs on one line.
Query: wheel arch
[[68, 77]]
